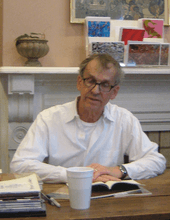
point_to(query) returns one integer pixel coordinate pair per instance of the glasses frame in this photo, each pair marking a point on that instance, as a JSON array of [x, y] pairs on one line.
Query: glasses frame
[[99, 84]]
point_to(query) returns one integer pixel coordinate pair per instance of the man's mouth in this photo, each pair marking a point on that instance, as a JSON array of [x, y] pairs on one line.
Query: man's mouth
[[94, 99]]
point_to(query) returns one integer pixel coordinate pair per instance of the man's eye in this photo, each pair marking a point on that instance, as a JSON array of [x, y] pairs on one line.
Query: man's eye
[[91, 81], [105, 84]]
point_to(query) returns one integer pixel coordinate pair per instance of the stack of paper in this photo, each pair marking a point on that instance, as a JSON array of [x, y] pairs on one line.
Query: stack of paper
[[21, 197]]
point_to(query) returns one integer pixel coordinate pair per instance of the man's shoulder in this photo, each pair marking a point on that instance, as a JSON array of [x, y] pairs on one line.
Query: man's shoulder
[[57, 109], [117, 112], [112, 108]]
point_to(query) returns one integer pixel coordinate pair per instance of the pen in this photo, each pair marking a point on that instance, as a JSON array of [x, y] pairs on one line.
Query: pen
[[51, 200]]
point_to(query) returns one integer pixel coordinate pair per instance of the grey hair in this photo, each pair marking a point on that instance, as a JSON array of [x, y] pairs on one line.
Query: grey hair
[[104, 60]]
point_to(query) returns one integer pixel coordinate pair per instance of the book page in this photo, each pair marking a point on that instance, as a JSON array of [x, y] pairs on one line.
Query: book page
[[25, 184], [111, 183]]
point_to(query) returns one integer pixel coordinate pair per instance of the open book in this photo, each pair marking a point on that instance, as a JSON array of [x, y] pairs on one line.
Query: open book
[[123, 185], [111, 188], [121, 188]]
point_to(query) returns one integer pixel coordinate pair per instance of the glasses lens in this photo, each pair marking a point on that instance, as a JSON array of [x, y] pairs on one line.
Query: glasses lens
[[89, 82], [105, 87]]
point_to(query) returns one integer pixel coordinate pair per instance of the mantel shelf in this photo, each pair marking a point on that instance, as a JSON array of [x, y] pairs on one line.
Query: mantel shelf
[[74, 70]]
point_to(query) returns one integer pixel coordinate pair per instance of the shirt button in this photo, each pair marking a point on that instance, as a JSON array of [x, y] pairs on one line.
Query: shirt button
[[82, 135]]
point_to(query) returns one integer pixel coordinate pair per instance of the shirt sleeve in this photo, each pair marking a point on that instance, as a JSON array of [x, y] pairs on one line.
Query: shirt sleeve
[[30, 155], [144, 159]]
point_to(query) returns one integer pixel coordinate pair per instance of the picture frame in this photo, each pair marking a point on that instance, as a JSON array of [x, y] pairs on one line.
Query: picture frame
[[119, 10]]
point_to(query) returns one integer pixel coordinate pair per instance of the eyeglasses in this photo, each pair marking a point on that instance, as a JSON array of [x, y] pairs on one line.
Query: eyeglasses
[[103, 86]]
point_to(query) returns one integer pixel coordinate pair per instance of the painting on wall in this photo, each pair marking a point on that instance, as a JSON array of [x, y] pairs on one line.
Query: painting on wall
[[142, 53], [115, 49], [119, 9]]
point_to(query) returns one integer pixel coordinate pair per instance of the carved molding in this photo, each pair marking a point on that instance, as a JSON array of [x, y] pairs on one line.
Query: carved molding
[[20, 108], [17, 132], [20, 91]]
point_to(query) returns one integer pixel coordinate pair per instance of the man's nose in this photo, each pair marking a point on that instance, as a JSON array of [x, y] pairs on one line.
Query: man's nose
[[96, 88]]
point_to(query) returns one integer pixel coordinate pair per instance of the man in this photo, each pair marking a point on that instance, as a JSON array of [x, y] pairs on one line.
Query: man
[[89, 131]]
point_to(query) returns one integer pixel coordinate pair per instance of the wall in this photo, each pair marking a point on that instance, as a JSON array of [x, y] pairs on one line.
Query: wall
[[50, 17]]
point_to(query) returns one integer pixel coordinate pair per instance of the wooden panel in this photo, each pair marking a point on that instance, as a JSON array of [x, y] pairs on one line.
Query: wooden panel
[[3, 125]]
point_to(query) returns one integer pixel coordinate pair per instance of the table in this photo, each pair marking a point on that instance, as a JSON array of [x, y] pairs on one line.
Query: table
[[156, 206]]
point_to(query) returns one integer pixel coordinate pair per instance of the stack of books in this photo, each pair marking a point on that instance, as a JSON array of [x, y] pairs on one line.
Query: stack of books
[[21, 197]]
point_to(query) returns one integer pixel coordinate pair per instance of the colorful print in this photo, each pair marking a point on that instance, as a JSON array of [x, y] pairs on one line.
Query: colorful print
[[115, 49], [98, 29]]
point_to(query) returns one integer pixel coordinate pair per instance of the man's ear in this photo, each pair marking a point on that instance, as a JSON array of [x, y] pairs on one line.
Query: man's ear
[[114, 92], [79, 80]]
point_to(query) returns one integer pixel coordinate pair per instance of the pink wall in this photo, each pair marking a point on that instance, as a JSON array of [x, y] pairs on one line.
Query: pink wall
[[51, 17]]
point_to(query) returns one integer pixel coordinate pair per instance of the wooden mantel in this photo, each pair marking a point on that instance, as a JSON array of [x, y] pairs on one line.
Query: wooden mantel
[[25, 91]]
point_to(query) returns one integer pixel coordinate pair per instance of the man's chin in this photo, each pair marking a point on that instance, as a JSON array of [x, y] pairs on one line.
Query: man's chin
[[93, 104]]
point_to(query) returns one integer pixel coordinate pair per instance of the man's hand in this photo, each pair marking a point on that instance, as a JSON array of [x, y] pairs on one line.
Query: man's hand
[[104, 174]]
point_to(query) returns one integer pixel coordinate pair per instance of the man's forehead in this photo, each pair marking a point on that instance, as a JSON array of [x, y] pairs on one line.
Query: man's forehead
[[94, 66]]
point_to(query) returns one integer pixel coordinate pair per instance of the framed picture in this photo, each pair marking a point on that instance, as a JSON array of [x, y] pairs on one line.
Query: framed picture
[[142, 53], [115, 49], [119, 9]]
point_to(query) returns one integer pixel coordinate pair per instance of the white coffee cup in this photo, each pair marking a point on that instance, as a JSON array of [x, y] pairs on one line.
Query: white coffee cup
[[80, 185]]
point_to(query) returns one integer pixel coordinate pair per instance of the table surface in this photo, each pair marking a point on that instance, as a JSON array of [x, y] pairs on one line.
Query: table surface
[[155, 206]]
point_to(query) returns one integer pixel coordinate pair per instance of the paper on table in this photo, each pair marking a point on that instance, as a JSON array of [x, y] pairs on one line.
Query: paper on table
[[25, 184]]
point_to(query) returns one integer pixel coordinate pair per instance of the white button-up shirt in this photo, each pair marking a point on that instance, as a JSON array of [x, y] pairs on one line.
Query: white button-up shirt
[[59, 135]]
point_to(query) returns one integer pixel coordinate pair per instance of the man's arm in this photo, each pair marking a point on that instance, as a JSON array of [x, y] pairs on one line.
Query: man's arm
[[31, 153], [104, 174]]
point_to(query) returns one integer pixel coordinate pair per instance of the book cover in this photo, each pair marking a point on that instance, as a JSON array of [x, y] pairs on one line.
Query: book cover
[[133, 34]]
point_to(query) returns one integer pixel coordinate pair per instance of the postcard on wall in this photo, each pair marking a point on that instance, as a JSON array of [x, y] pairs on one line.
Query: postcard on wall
[[133, 34], [142, 53], [97, 26], [154, 28], [115, 49]]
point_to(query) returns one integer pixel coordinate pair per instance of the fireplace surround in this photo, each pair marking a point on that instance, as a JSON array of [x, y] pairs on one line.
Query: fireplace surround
[[25, 91]]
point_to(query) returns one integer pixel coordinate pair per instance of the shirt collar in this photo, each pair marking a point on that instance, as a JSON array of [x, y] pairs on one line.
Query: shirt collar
[[73, 112], [107, 113]]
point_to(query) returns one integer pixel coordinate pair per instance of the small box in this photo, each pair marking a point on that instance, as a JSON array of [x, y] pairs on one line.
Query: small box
[[142, 53]]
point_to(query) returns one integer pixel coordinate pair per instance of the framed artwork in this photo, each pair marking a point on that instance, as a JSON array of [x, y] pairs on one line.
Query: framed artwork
[[115, 49], [142, 53], [119, 9]]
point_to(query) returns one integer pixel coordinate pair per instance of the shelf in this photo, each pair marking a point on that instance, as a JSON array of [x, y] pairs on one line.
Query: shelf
[[74, 70]]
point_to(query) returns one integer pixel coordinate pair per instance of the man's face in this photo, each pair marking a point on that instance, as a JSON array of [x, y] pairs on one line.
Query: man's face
[[93, 98]]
